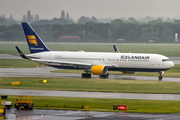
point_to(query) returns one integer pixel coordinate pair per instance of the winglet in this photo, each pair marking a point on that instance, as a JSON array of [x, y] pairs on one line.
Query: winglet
[[21, 53], [116, 49]]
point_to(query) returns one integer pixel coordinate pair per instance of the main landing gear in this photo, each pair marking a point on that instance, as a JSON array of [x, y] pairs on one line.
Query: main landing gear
[[104, 76], [160, 77], [88, 75]]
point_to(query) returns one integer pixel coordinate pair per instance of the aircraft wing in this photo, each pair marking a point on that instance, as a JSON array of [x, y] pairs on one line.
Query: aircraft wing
[[21, 53], [60, 62], [70, 63]]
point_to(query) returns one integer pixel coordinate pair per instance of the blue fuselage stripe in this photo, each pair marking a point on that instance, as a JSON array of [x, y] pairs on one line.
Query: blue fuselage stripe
[[116, 69]]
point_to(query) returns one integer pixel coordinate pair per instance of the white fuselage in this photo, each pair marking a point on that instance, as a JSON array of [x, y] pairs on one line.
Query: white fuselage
[[114, 61]]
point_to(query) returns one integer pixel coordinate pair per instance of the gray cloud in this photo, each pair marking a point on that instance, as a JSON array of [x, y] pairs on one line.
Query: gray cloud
[[48, 9]]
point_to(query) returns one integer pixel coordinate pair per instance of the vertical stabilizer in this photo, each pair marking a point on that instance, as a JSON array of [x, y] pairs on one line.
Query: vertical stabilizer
[[116, 49], [34, 41]]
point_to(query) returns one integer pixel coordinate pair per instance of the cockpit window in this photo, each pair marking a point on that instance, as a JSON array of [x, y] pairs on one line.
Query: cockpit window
[[164, 60]]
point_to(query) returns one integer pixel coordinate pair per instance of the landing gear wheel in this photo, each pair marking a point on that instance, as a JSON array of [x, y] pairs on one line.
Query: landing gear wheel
[[86, 75], [31, 106], [16, 106], [104, 76], [26, 107], [160, 77]]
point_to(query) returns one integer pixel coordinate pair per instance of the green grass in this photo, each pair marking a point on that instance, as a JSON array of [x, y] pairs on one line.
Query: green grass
[[99, 85], [100, 104], [165, 49], [17, 63]]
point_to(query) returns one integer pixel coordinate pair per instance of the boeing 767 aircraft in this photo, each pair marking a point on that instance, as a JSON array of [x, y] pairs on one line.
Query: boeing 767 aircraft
[[97, 63]]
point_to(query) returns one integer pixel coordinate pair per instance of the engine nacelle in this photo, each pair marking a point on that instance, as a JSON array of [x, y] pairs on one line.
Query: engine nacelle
[[99, 70], [128, 72]]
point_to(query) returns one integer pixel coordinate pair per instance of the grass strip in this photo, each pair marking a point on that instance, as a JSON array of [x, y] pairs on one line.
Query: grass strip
[[17, 63], [94, 85], [164, 49], [99, 104]]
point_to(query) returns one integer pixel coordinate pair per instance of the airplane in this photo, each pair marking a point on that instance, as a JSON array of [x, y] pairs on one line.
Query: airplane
[[97, 63], [116, 50]]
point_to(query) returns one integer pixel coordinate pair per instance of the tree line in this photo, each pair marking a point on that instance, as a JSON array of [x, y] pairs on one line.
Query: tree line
[[155, 30]]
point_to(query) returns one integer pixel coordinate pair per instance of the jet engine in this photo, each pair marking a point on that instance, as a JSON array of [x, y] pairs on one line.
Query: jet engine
[[99, 70]]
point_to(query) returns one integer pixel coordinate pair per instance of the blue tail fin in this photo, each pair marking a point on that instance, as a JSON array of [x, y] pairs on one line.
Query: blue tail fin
[[116, 49], [34, 41]]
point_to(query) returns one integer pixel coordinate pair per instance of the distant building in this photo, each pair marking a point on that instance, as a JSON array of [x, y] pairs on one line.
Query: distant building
[[70, 38], [121, 40], [151, 41]]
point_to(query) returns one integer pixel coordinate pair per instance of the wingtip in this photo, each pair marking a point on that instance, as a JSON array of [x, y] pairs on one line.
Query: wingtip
[[21, 53]]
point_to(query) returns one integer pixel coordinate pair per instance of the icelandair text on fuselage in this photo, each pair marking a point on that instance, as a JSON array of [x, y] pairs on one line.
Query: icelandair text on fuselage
[[134, 57]]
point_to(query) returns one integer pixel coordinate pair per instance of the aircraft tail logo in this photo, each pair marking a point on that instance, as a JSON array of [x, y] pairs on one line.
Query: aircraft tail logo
[[32, 39]]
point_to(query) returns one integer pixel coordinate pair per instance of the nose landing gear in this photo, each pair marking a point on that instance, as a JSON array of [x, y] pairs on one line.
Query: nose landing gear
[[160, 77]]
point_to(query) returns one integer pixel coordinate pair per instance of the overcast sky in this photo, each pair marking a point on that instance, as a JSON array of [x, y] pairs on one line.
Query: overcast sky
[[48, 9]]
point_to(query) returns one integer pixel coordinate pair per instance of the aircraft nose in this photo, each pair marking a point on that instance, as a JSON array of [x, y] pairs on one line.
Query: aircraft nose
[[171, 64]]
